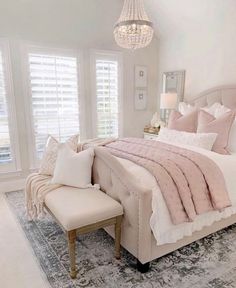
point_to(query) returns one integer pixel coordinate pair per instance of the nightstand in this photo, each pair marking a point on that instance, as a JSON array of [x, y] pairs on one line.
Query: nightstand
[[150, 136]]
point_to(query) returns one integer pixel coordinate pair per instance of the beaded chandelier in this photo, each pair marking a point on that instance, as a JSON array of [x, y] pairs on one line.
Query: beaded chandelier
[[134, 29]]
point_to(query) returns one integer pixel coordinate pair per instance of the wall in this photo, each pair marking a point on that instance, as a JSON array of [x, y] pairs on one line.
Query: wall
[[199, 37], [76, 24]]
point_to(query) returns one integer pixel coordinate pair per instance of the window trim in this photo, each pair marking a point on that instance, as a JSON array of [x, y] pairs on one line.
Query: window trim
[[106, 55], [15, 166], [31, 48]]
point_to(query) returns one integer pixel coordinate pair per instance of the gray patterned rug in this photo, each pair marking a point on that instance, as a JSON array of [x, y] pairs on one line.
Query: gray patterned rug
[[208, 263]]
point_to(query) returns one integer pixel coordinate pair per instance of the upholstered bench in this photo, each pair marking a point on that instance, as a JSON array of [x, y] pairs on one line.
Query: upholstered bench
[[81, 211]]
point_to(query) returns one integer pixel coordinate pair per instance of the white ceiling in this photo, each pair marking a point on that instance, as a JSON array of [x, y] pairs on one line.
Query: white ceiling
[[75, 20], [83, 22], [181, 16]]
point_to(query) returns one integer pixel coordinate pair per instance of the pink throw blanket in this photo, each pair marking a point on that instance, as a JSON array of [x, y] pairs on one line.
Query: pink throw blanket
[[190, 182]]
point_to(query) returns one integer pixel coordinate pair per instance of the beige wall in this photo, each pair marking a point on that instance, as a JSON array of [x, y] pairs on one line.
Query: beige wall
[[82, 25], [199, 37]]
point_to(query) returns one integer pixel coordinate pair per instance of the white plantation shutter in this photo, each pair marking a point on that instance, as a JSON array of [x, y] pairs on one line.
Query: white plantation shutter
[[5, 147], [55, 97], [107, 97]]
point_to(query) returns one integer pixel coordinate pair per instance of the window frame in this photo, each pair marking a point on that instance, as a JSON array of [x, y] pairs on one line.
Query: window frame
[[112, 56], [26, 50], [15, 165]]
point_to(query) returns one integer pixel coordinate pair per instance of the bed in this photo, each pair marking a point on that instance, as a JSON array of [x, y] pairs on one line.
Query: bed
[[137, 198]]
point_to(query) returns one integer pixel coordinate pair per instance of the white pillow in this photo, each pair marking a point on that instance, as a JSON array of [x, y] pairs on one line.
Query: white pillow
[[232, 139], [211, 109], [50, 154], [216, 110], [221, 110], [185, 108], [201, 140], [73, 169]]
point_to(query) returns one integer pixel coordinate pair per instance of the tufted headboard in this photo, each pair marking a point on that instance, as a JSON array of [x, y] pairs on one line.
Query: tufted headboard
[[225, 95]]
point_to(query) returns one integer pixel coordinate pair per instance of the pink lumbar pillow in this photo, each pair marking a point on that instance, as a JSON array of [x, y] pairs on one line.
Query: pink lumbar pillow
[[187, 122], [207, 123]]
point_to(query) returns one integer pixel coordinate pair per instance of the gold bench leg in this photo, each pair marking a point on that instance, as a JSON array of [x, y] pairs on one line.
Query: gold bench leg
[[117, 236], [71, 243]]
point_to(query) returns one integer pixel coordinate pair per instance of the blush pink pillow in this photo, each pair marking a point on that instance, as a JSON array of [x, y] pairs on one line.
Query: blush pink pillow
[[207, 123], [187, 122]]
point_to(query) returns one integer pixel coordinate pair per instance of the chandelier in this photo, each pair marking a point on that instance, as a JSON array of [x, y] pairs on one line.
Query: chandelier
[[134, 29]]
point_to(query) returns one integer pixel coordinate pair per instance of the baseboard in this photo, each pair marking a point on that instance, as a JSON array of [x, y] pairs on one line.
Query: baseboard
[[12, 185]]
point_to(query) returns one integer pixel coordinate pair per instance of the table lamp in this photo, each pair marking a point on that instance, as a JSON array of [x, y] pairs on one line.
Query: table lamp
[[168, 102]]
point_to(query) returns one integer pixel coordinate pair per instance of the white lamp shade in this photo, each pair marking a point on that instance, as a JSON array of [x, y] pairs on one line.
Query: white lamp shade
[[168, 101]]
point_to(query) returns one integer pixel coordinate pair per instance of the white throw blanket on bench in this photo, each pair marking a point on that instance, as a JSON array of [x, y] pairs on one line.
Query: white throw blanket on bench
[[37, 187]]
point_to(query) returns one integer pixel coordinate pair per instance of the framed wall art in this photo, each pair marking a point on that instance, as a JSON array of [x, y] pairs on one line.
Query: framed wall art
[[140, 91], [140, 76], [140, 101]]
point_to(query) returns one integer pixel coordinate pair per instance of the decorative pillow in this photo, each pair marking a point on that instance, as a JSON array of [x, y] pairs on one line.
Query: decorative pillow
[[187, 123], [222, 126], [73, 169], [221, 110], [50, 154], [211, 109], [216, 109], [202, 140], [185, 108], [232, 139]]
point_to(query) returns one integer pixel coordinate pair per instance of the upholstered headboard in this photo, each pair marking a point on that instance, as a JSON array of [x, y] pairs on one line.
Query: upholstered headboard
[[225, 95]]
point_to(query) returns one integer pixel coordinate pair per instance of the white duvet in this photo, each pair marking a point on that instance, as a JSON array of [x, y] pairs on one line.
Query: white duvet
[[160, 222]]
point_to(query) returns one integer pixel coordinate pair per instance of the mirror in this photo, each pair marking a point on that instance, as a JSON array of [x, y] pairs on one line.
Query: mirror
[[173, 82]]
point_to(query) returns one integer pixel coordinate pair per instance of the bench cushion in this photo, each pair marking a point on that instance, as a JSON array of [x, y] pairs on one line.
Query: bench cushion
[[75, 208]]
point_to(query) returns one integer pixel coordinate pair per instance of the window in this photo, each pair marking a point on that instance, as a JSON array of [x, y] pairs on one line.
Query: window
[[5, 147], [108, 94], [55, 97], [8, 133]]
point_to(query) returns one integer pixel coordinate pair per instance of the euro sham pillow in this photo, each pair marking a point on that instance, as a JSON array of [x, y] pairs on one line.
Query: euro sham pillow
[[187, 122], [207, 123], [50, 154], [185, 108], [216, 110], [201, 140], [73, 169]]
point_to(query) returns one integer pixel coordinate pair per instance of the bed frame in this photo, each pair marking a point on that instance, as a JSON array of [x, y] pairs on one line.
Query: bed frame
[[225, 95], [137, 236]]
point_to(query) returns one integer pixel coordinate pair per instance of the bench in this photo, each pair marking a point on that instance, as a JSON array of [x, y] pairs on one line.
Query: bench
[[80, 211]]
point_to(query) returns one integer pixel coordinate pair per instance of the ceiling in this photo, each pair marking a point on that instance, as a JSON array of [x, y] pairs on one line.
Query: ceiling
[[182, 16], [83, 22], [92, 21]]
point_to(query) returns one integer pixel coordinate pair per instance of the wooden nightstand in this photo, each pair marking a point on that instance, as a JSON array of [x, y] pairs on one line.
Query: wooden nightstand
[[150, 136]]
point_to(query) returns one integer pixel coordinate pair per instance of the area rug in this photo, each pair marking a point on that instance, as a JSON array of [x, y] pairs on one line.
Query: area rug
[[208, 263]]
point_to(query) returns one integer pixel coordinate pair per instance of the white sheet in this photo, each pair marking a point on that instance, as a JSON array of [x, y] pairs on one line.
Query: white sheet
[[160, 222]]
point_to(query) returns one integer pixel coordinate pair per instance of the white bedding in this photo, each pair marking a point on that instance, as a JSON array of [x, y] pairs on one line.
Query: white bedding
[[160, 222]]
